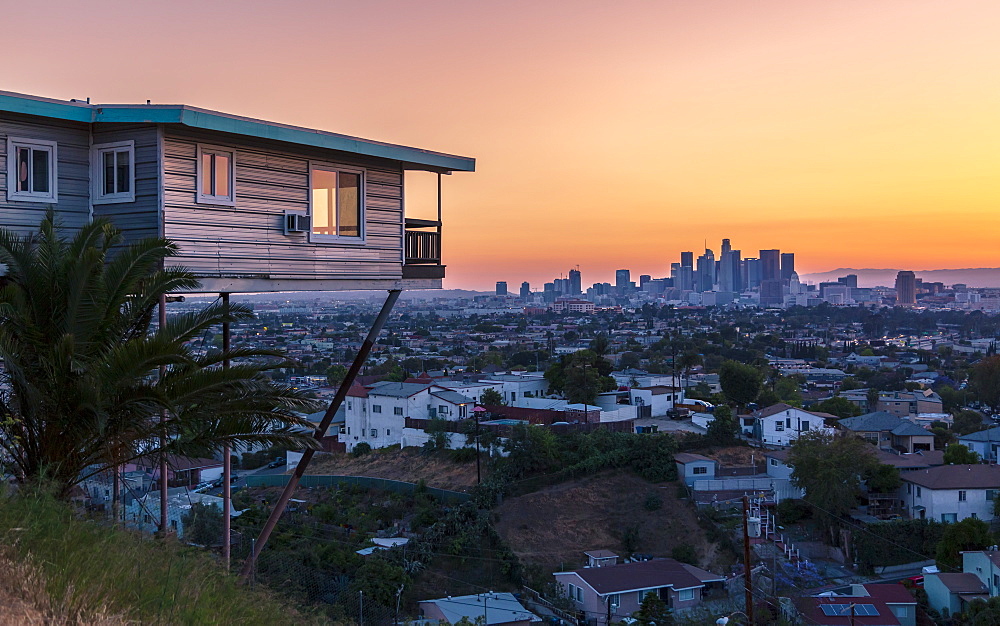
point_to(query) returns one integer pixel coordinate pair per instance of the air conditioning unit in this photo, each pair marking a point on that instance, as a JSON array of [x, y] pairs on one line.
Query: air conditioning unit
[[296, 223]]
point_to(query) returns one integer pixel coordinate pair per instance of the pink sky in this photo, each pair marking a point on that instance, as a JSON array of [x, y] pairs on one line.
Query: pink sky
[[608, 134]]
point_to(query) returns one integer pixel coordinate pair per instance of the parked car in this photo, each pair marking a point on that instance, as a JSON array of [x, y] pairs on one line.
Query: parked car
[[276, 463]]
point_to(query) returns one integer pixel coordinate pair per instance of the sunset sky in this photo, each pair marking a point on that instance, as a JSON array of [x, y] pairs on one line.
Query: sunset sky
[[856, 133]]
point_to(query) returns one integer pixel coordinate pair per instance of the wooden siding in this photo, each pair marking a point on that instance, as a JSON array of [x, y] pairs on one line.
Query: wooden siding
[[140, 218], [248, 239], [72, 172]]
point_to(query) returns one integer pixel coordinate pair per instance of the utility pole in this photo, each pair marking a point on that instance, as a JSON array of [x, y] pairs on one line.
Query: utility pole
[[747, 582], [163, 430], [479, 476]]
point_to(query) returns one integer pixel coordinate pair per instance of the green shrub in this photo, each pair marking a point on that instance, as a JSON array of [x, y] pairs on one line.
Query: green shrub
[[361, 450], [685, 554], [653, 502], [462, 455]]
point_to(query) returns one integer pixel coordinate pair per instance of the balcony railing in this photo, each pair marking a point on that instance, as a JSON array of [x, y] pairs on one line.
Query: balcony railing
[[422, 249]]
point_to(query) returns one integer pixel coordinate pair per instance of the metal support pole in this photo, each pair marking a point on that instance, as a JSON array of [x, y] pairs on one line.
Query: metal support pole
[[227, 469], [479, 476], [331, 411], [163, 431], [439, 218], [747, 583]]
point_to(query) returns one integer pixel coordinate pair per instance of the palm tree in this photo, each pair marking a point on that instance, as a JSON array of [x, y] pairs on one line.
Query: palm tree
[[80, 393]]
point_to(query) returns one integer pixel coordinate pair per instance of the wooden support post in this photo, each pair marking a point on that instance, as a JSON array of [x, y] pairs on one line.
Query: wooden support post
[[331, 411], [163, 431], [227, 469]]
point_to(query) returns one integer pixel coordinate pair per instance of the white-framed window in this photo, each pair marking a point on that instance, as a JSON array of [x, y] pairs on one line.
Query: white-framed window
[[615, 600], [443, 409], [699, 470], [805, 424], [397, 410], [374, 433], [773, 462], [579, 594], [685, 594], [779, 426], [113, 172], [336, 203], [961, 496], [31, 170], [215, 176], [376, 408]]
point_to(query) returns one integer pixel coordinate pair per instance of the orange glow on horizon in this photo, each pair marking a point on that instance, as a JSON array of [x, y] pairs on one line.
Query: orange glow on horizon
[[609, 135]]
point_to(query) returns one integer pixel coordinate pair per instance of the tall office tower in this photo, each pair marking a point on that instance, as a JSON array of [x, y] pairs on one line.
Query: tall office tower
[[687, 259], [575, 283], [851, 280], [906, 288], [787, 266], [675, 271], [730, 274], [725, 247], [643, 281], [622, 279], [770, 265], [752, 271], [549, 292], [562, 286], [705, 273], [771, 293], [501, 288], [525, 290]]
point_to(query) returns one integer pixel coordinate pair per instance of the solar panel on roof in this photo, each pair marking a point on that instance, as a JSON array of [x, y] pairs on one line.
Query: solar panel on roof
[[836, 610]]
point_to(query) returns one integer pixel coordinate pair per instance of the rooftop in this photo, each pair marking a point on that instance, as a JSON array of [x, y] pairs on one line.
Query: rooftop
[[204, 119], [956, 477], [491, 608], [645, 575]]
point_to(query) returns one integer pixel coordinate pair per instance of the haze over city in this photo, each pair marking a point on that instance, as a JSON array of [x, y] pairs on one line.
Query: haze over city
[[612, 135]]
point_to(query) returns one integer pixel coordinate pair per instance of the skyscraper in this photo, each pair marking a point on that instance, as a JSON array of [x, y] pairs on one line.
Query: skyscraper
[[705, 273], [751, 273], [730, 276], [643, 281], [525, 290], [770, 265], [622, 279], [687, 259], [501, 288], [575, 283], [906, 288], [851, 280], [787, 266]]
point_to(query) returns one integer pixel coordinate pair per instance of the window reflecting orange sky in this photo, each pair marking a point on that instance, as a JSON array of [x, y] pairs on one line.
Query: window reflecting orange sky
[[856, 133]]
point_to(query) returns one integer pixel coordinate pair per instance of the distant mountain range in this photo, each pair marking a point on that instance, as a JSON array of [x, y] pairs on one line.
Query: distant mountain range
[[870, 277]]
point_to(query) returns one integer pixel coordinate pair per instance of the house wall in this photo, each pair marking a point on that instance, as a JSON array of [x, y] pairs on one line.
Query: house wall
[[945, 501], [72, 172], [939, 597], [793, 422], [687, 471], [979, 563], [140, 218], [987, 450], [596, 606], [360, 419], [249, 239]]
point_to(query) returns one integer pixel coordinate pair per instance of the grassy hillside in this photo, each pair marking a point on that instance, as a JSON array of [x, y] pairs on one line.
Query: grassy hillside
[[408, 464], [73, 571], [613, 510]]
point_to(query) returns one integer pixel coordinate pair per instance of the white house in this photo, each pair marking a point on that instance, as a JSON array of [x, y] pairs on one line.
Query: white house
[[377, 414], [781, 424], [513, 387], [951, 493], [661, 398], [985, 443]]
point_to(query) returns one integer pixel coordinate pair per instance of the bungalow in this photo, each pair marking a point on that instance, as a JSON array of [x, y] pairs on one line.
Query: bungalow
[[617, 591], [488, 609], [951, 593], [781, 424], [869, 604], [985, 443], [985, 565], [951, 493], [692, 467], [886, 430]]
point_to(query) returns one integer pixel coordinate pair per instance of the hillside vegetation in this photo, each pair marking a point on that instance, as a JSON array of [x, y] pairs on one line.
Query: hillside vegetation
[[66, 570]]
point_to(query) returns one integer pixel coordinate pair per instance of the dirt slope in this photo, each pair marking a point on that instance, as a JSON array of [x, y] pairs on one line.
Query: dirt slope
[[554, 526], [407, 465]]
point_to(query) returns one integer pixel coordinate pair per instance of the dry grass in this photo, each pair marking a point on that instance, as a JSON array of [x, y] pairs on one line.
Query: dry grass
[[24, 600], [554, 526], [408, 464]]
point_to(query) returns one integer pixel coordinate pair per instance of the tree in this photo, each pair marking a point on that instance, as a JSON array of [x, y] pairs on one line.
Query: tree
[[829, 469], [580, 376], [629, 360], [838, 405], [741, 383], [967, 421], [724, 429], [959, 454], [882, 478], [80, 390], [787, 389], [653, 611], [336, 375], [599, 344], [202, 524], [491, 397], [985, 379], [872, 397], [969, 534]]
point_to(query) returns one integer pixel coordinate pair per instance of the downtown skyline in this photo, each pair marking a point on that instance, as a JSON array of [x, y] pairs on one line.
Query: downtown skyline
[[859, 134]]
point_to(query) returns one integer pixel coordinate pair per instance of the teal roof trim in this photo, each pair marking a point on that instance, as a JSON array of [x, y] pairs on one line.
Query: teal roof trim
[[204, 119]]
